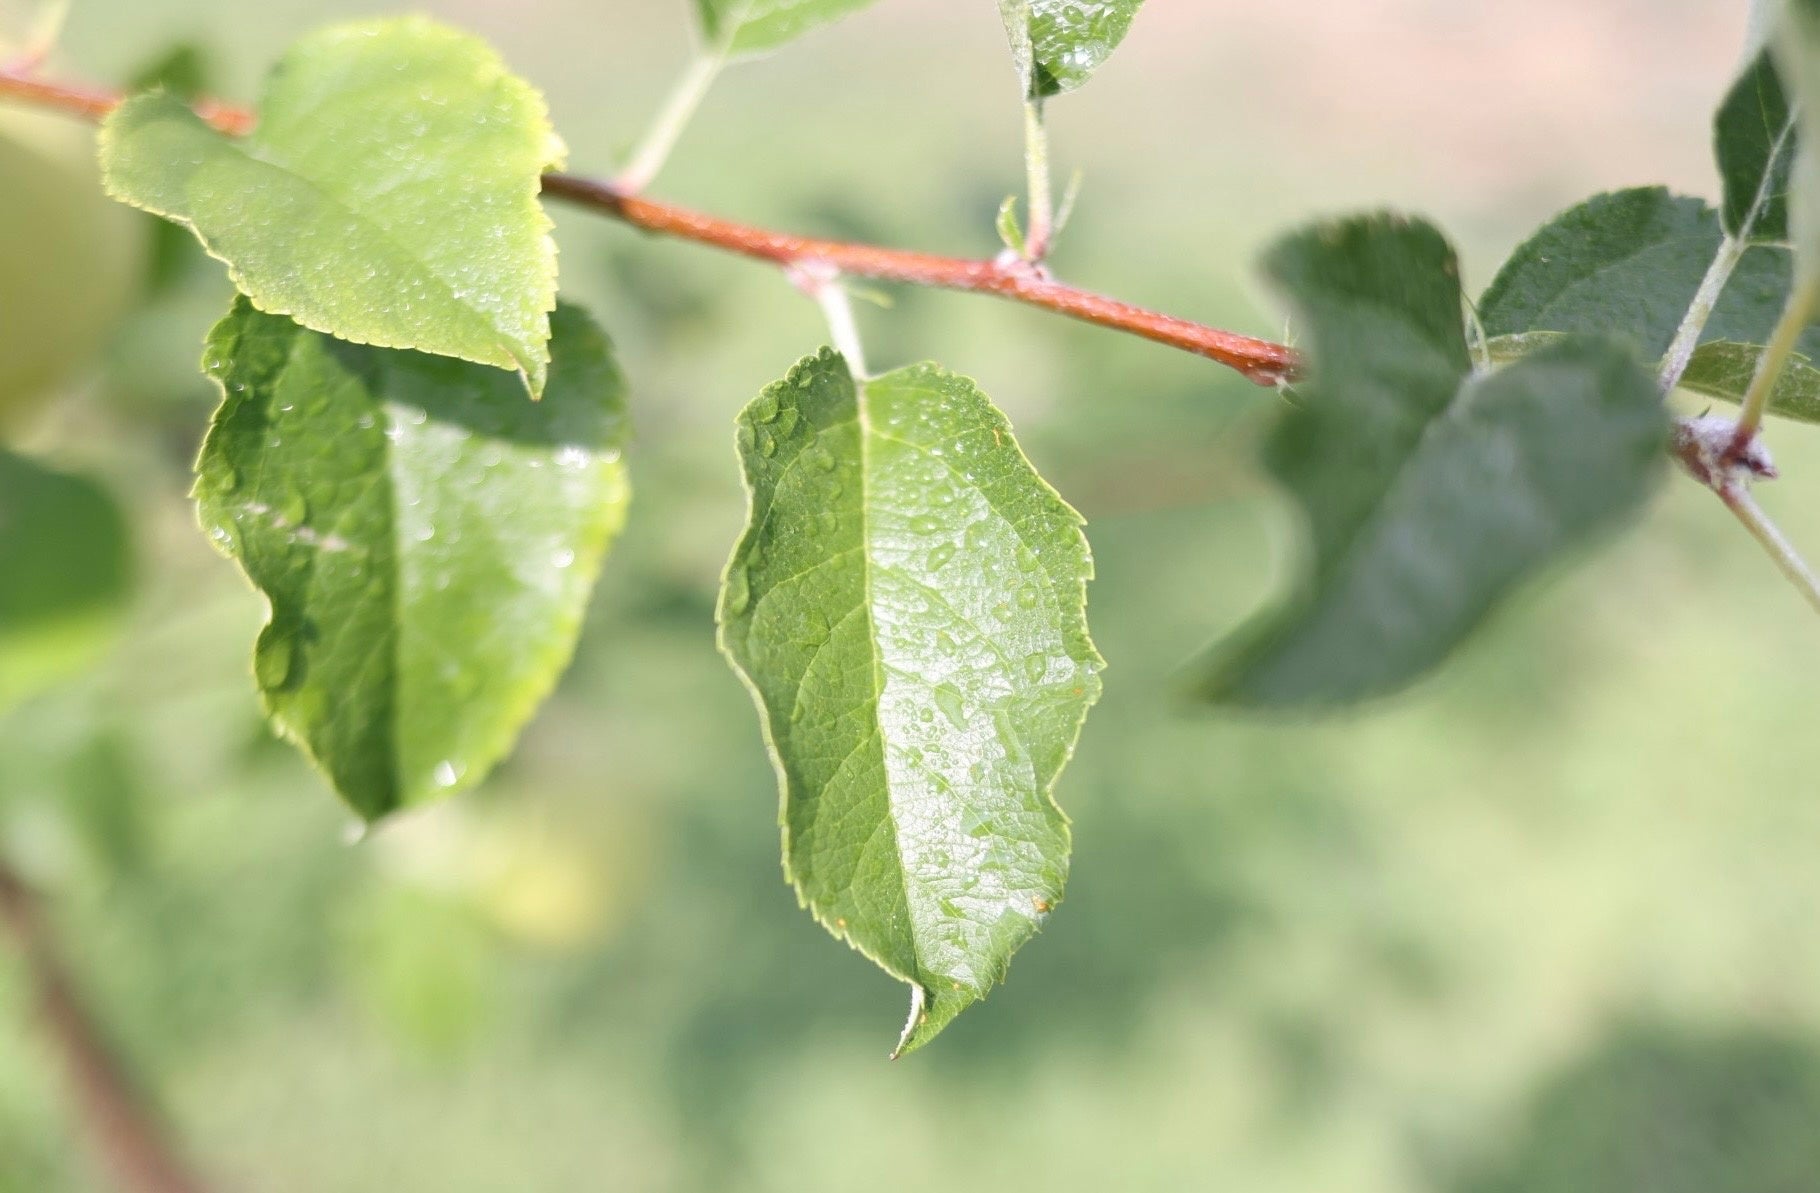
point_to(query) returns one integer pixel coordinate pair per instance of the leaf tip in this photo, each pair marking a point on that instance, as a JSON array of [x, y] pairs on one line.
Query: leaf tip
[[919, 1015]]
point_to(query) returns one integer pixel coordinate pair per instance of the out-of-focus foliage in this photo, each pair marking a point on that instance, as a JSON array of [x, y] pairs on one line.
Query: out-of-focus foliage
[[65, 282], [1351, 958], [64, 562], [1672, 1112], [1431, 490], [743, 27]]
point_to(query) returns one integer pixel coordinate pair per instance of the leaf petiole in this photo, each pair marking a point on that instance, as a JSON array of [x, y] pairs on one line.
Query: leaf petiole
[[673, 118], [1775, 359], [1041, 188]]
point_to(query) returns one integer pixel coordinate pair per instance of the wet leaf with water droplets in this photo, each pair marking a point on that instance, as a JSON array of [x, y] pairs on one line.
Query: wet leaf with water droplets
[[918, 706], [427, 573], [1058, 44], [389, 195]]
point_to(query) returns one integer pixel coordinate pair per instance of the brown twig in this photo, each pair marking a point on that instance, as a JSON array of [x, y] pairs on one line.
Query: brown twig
[[125, 1132], [1260, 361]]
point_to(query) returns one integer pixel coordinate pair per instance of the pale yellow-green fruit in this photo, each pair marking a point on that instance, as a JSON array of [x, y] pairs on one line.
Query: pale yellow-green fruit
[[70, 260]]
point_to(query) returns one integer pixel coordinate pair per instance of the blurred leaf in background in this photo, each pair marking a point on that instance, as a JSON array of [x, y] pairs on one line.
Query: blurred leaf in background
[[1347, 958]]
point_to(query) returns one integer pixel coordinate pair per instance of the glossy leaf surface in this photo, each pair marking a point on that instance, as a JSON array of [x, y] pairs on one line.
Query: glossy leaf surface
[[388, 196], [908, 607], [1058, 44], [427, 537]]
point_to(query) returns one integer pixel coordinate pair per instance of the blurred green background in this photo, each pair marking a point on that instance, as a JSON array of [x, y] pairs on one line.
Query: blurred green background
[[1547, 924]]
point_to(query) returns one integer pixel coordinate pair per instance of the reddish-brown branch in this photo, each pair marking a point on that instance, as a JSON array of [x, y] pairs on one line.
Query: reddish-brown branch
[[125, 1131], [1259, 360]]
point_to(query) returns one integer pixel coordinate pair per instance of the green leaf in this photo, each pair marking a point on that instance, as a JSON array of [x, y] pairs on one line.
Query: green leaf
[[65, 574], [1724, 370], [1796, 45], [1430, 493], [1754, 140], [389, 195], [1058, 44], [747, 27], [427, 538], [1010, 231], [908, 607], [1628, 264], [183, 70], [1718, 369]]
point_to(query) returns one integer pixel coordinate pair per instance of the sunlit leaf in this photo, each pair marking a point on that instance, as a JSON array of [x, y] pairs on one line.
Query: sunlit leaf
[[1058, 44], [908, 608], [427, 537], [1430, 492], [65, 574], [389, 195]]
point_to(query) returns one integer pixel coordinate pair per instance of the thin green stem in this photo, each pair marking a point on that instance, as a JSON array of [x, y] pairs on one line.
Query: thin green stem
[[660, 140], [1041, 189], [1712, 287], [1700, 312], [1738, 500], [843, 328], [1775, 358]]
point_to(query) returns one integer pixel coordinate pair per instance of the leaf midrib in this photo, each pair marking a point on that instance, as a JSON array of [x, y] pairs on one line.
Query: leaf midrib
[[863, 417]]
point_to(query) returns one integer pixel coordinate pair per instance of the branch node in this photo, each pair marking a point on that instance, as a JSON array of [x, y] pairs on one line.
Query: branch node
[[1714, 452]]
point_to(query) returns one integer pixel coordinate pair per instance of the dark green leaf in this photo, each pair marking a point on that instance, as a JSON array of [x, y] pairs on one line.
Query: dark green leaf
[[1058, 44], [65, 572], [402, 162], [1430, 492], [1754, 140], [427, 537], [1628, 264], [1718, 369], [183, 70], [908, 608], [755, 26]]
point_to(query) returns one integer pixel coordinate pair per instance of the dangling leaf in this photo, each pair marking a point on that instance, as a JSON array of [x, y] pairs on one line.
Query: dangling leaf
[[426, 535], [388, 196], [908, 607], [1058, 44], [1430, 492]]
